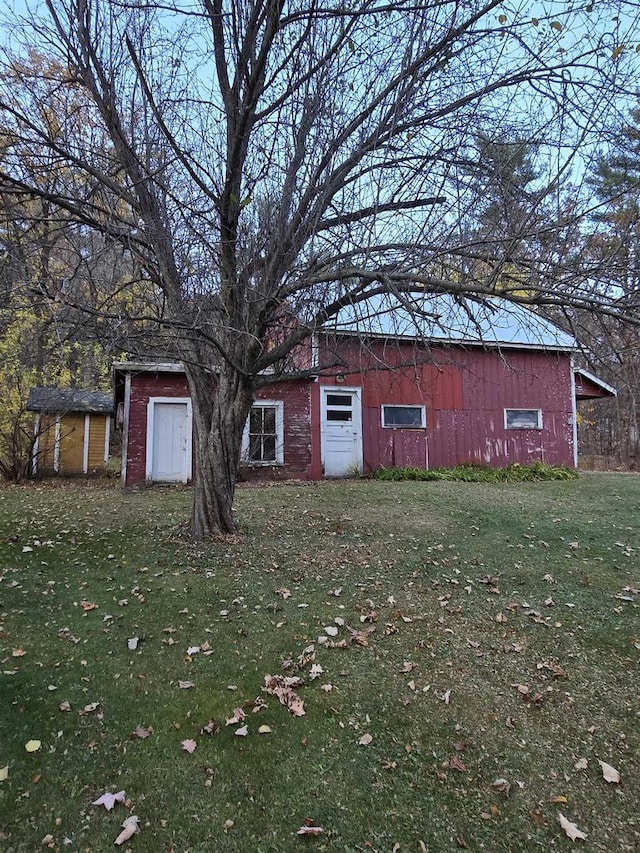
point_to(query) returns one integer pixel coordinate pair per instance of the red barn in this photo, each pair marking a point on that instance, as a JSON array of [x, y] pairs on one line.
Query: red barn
[[427, 384]]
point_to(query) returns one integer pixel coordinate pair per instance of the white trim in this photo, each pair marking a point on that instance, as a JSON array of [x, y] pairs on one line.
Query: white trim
[[35, 447], [56, 445], [339, 389], [85, 446], [600, 383], [107, 436], [125, 429], [278, 405], [574, 415], [315, 350], [150, 418], [515, 409], [423, 415]]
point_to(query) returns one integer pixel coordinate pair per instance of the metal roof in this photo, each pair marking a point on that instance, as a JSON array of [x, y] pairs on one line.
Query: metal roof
[[492, 322], [69, 400]]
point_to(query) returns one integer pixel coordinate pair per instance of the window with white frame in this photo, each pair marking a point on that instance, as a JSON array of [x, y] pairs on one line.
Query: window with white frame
[[403, 417], [523, 418], [263, 439]]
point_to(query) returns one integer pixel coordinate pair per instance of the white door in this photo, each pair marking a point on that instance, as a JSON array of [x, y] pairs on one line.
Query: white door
[[170, 442], [341, 431]]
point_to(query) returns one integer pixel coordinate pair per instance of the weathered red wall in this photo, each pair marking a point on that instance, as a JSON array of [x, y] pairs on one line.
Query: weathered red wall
[[465, 392], [296, 397], [297, 425], [144, 386]]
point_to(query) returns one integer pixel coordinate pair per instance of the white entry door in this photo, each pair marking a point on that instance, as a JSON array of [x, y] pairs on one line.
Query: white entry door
[[169, 442], [341, 431]]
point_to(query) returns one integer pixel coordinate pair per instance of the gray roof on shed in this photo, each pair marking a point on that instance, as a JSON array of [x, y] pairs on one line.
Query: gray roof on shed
[[69, 400], [492, 322]]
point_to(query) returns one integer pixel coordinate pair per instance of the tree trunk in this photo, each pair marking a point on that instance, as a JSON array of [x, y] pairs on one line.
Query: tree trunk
[[220, 411]]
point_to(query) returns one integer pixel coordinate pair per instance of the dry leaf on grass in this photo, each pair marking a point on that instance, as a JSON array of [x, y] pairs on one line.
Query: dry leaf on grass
[[608, 772], [570, 828], [241, 732], [129, 828], [236, 717], [581, 764], [109, 800], [365, 740], [140, 732], [310, 829], [502, 785], [4, 773], [33, 745], [189, 745]]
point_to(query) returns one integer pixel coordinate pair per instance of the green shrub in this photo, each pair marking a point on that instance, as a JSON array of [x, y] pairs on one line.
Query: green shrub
[[472, 472]]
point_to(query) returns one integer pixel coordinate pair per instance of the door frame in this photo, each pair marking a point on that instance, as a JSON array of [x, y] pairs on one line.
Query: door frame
[[151, 404], [356, 390]]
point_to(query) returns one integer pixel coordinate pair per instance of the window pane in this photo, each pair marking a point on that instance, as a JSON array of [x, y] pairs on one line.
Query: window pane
[[523, 418], [402, 416], [338, 399], [255, 448], [269, 448], [337, 415], [269, 421], [255, 420]]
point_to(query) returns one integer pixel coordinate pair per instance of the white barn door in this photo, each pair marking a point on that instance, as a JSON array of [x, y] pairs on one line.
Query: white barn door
[[169, 440], [341, 431]]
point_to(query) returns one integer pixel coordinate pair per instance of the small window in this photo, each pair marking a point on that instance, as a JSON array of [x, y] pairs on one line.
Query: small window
[[263, 440], [523, 418], [339, 399], [403, 417]]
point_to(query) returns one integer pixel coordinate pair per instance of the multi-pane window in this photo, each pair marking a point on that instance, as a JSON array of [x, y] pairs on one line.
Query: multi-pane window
[[523, 418], [264, 434], [403, 417]]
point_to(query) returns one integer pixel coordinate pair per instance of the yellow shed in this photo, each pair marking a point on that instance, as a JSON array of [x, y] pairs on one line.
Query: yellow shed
[[72, 430]]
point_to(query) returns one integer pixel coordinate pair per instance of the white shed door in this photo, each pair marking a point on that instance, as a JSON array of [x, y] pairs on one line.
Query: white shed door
[[341, 431], [171, 443]]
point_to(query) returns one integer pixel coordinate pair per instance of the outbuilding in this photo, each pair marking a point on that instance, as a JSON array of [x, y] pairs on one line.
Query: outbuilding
[[71, 432], [414, 382]]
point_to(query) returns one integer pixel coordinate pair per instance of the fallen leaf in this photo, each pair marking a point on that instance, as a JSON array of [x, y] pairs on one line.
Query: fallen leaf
[[185, 685], [608, 772], [446, 697], [331, 631], [65, 706], [211, 728], [48, 840], [326, 687], [89, 709], [365, 740], [4, 773], [88, 605], [570, 828], [581, 764], [109, 800], [189, 745], [242, 732], [228, 824], [315, 671], [264, 730], [132, 644], [502, 785], [310, 829], [456, 763], [18, 653], [140, 732], [237, 717], [407, 666], [500, 617], [193, 650], [33, 745], [129, 828]]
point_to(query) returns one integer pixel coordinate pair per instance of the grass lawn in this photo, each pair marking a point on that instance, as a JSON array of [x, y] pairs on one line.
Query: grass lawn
[[476, 633]]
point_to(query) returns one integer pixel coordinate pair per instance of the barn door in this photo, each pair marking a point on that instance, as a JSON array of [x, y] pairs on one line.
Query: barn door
[[169, 440], [341, 431]]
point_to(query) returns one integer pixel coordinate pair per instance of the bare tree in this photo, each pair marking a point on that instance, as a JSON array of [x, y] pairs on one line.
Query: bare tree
[[270, 162]]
